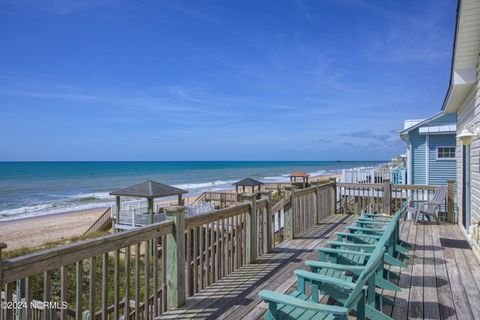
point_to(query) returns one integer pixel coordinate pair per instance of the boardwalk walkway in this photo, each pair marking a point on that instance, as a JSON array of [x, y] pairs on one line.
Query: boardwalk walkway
[[442, 280]]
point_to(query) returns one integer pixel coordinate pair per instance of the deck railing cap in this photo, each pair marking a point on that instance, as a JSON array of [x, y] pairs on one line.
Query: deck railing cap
[[248, 195], [175, 208]]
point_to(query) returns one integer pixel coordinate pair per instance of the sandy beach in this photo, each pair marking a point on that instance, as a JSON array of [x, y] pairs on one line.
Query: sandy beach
[[36, 231]]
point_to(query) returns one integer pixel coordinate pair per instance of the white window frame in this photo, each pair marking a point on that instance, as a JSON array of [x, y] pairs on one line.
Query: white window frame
[[445, 159]]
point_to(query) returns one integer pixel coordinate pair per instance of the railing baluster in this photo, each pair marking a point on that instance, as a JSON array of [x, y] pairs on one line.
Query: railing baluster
[[164, 273], [146, 279], [8, 312], [126, 298], [212, 253], [46, 293], [63, 290], [217, 252], [78, 296], [28, 299], [155, 278], [202, 250], [104, 286], [188, 265], [116, 284], [137, 281], [195, 260], [91, 292]]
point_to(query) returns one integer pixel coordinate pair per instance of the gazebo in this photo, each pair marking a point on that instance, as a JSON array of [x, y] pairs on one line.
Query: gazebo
[[248, 182], [299, 179], [149, 190]]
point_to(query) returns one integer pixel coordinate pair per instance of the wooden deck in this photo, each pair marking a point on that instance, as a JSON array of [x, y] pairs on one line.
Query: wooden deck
[[442, 280]]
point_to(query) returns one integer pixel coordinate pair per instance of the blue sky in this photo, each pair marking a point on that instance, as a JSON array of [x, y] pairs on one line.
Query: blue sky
[[218, 80]]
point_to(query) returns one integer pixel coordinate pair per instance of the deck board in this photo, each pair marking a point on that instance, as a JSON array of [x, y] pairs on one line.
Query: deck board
[[440, 282]]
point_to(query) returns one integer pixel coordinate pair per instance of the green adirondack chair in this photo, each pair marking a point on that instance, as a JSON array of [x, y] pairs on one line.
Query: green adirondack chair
[[352, 295], [371, 234], [346, 253], [352, 257]]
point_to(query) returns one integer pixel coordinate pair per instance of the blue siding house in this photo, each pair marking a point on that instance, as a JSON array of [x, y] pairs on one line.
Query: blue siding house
[[431, 149]]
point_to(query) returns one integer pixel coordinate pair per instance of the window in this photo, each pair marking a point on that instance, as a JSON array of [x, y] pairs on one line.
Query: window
[[446, 153]]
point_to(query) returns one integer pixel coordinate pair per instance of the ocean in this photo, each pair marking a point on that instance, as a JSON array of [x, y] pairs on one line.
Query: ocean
[[35, 188]]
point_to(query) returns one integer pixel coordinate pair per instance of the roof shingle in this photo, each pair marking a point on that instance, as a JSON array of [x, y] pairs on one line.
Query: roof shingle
[[149, 189]]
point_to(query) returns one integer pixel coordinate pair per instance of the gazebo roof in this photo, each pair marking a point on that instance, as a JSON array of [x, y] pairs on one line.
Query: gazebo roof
[[149, 189], [248, 182], [299, 174]]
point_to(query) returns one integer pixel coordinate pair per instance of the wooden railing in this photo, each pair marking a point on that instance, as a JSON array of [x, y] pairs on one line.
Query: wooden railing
[[386, 198], [217, 196], [104, 222], [215, 246], [94, 277], [275, 186]]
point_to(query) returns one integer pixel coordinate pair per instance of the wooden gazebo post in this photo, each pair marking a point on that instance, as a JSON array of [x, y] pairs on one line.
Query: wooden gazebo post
[[150, 209], [180, 200], [117, 209]]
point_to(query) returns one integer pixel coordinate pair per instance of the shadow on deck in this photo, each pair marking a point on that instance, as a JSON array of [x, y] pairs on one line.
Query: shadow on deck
[[442, 280]]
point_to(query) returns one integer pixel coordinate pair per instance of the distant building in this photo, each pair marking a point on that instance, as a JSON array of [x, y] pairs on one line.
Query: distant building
[[430, 149]]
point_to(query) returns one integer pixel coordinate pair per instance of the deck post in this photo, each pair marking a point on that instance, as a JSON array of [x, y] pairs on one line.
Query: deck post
[[175, 257], [316, 207], [334, 197], [450, 201], [267, 230], [289, 216], [387, 197], [251, 227], [117, 213]]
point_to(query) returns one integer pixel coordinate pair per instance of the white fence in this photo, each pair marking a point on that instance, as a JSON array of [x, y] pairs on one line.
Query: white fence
[[374, 175]]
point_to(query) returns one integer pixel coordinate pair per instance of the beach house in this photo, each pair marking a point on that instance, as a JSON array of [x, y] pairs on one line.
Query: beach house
[[431, 146], [463, 98]]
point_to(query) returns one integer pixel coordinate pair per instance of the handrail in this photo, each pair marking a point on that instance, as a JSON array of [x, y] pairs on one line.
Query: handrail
[[199, 198], [212, 216], [302, 192], [277, 206], [101, 221], [360, 185], [415, 187]]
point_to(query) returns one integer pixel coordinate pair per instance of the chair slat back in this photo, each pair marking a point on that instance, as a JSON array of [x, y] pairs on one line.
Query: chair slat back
[[376, 259], [438, 198]]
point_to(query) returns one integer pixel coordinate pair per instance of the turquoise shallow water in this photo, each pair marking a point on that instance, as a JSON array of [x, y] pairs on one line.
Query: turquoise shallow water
[[33, 188]]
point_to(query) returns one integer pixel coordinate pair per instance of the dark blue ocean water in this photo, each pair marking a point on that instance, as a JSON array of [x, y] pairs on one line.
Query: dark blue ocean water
[[33, 188]]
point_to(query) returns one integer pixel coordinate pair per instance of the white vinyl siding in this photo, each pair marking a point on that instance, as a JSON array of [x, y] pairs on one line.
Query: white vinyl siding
[[469, 113]]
